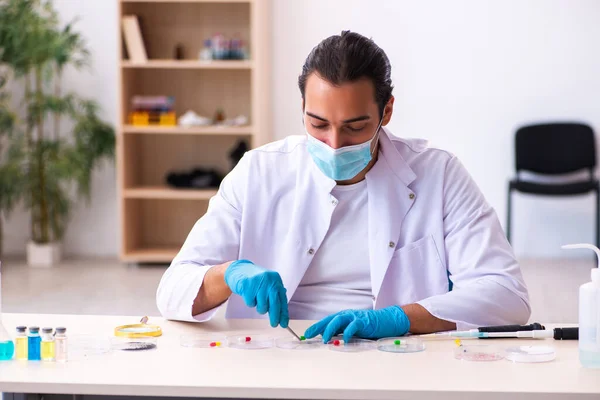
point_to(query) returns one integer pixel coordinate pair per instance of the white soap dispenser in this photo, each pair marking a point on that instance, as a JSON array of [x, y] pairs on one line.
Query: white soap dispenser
[[589, 314]]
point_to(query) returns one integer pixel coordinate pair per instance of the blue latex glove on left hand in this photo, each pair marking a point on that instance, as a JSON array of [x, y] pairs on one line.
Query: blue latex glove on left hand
[[367, 324]]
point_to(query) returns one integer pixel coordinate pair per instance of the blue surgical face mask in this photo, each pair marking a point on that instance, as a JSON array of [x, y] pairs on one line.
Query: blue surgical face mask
[[344, 163]]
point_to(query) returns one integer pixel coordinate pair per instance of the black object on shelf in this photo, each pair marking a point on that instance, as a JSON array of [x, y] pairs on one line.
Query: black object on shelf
[[199, 178], [236, 154]]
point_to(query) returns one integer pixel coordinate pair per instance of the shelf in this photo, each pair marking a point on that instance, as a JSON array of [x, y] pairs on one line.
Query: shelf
[[187, 1], [158, 192], [151, 255], [180, 130], [189, 64]]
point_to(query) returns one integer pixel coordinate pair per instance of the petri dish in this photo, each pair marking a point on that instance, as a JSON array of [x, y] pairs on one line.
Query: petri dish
[[530, 354], [84, 346], [400, 345], [202, 341], [250, 342], [291, 343], [133, 344], [478, 352], [354, 345]]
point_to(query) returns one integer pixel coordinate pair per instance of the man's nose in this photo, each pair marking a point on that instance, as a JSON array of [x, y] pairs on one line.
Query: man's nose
[[334, 139]]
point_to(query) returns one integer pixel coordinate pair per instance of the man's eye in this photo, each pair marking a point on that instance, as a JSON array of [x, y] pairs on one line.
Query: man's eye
[[355, 129], [318, 126]]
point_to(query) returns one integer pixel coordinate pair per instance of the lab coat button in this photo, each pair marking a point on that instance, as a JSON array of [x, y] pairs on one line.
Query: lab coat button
[[411, 196], [311, 251], [392, 245], [334, 202]]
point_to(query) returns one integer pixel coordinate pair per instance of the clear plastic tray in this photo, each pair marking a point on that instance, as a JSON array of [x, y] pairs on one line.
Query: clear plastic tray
[[478, 352], [352, 346], [250, 342], [530, 354], [401, 345], [133, 344], [291, 343], [202, 341], [84, 346]]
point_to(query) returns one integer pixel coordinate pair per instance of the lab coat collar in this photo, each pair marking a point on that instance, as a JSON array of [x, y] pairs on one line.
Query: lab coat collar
[[394, 160]]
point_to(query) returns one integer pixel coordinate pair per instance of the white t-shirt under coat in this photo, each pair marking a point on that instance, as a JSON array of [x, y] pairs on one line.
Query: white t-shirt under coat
[[339, 277]]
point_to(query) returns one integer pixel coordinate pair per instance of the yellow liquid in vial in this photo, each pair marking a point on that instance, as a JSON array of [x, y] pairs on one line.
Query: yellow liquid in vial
[[21, 350], [47, 350]]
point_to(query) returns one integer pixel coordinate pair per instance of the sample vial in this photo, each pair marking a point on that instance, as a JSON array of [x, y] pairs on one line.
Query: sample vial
[[21, 343], [60, 344], [47, 345], [33, 343]]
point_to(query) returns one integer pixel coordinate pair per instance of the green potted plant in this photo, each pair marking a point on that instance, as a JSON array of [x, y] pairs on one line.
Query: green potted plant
[[47, 164]]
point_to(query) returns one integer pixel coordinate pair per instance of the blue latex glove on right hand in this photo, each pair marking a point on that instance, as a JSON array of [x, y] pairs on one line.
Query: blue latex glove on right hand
[[259, 288]]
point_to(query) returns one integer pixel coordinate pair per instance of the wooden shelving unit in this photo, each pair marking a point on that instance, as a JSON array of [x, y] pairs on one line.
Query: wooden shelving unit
[[155, 219]]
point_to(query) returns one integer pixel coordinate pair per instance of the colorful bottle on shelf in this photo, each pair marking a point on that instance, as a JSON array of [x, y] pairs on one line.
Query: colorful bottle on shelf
[[33, 344], [21, 343], [47, 345], [60, 345]]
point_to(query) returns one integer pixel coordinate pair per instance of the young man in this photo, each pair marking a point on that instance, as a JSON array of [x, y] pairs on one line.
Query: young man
[[374, 235]]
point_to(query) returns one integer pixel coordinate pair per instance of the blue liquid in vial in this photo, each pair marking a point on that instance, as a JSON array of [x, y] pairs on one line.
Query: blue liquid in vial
[[33, 348], [7, 348]]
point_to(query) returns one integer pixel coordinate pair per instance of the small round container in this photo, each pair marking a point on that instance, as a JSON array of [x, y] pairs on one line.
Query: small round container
[[84, 346], [354, 345], [291, 343], [478, 352], [401, 345], [133, 344], [205, 341], [530, 354], [250, 342]]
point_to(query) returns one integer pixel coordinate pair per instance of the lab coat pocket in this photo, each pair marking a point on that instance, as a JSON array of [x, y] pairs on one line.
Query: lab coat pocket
[[417, 272]]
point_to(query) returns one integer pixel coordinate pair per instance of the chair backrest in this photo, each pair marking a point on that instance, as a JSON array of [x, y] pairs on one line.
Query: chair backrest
[[557, 148]]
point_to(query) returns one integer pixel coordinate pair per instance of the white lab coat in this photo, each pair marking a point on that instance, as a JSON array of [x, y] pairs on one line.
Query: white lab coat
[[428, 223]]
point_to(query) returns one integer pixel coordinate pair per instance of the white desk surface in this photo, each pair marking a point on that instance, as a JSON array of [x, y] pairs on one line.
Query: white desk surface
[[175, 371]]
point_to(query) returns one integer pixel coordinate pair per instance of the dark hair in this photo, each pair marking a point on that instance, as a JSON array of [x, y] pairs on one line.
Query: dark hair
[[347, 58]]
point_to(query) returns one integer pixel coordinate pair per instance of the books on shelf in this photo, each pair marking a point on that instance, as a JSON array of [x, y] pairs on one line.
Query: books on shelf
[[133, 39]]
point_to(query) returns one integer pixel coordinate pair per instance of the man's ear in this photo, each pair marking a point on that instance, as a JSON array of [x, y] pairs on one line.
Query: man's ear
[[388, 110]]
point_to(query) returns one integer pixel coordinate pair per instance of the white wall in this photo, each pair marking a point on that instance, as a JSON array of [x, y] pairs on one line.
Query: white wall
[[466, 72]]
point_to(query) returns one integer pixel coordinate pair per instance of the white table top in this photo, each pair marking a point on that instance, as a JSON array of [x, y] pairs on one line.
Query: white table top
[[172, 370]]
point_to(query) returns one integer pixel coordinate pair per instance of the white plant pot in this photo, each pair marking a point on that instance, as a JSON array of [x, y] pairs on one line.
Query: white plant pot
[[43, 255]]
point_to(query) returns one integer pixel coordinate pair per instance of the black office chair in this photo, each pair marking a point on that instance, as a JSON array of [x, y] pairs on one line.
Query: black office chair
[[555, 149]]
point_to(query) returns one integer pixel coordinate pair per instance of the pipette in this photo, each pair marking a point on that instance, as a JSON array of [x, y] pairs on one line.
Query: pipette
[[293, 333], [556, 333]]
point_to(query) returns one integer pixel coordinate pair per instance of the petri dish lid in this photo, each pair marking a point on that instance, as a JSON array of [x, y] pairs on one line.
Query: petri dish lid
[[291, 343], [83, 346], [352, 346], [530, 354], [401, 345], [250, 342], [133, 344], [202, 340], [478, 352]]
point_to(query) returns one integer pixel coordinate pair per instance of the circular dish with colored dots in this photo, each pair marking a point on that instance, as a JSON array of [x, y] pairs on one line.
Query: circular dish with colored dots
[[291, 343], [202, 341], [250, 342], [354, 345], [401, 345], [478, 353]]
